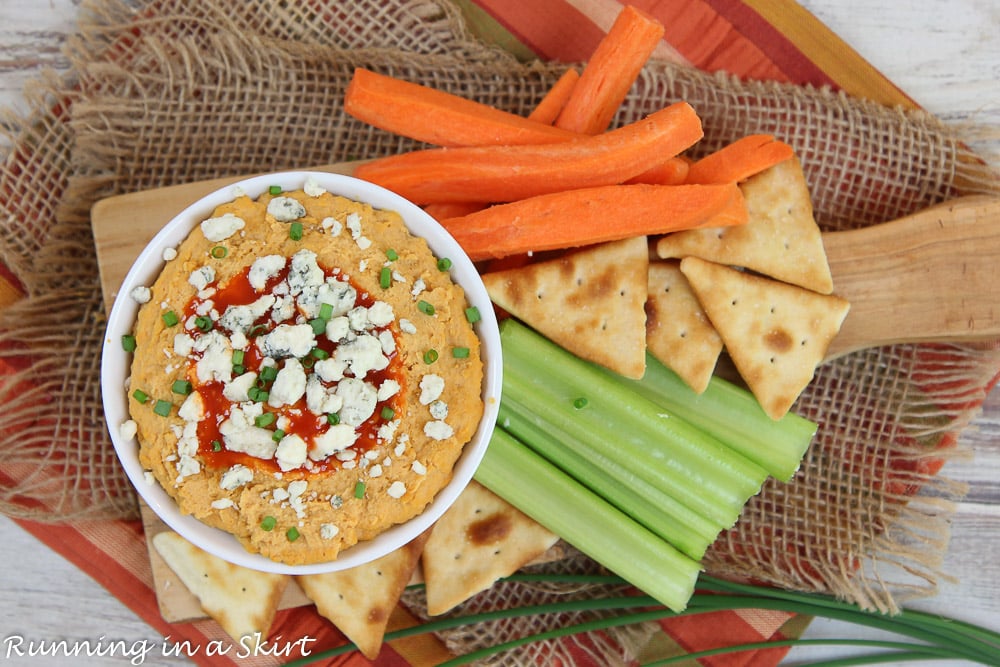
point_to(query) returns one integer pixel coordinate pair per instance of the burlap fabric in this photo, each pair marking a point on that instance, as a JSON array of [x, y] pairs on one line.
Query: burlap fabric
[[182, 90]]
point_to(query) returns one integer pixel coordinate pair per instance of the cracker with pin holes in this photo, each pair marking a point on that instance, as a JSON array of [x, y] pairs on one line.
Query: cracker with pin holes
[[780, 240], [360, 599], [480, 539], [242, 600], [590, 301], [775, 333], [678, 332]]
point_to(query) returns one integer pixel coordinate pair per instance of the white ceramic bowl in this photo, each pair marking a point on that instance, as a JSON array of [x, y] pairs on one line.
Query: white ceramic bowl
[[115, 364]]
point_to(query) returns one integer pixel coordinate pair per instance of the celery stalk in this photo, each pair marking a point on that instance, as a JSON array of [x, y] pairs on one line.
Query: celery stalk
[[662, 514], [732, 415], [616, 422], [627, 450], [583, 519]]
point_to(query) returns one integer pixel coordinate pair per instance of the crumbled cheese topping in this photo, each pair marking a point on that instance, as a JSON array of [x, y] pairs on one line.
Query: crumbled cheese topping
[[141, 294], [312, 188], [285, 209], [222, 227]]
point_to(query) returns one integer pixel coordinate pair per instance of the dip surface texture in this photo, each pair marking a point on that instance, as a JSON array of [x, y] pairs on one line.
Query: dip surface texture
[[305, 374]]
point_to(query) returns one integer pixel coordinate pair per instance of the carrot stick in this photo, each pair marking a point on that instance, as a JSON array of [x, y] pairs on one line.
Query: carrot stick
[[436, 117], [739, 160], [610, 72], [553, 102], [507, 173], [441, 211], [576, 218], [672, 172]]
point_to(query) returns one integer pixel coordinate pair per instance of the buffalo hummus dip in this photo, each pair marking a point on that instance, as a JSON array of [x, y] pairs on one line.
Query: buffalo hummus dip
[[305, 374]]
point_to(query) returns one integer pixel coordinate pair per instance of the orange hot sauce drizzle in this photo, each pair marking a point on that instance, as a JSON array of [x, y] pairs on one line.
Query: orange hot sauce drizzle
[[302, 421]]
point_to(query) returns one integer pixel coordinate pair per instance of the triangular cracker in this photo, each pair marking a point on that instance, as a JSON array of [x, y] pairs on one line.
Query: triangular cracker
[[241, 600], [478, 540], [781, 239], [360, 600], [775, 333], [590, 301], [678, 332]]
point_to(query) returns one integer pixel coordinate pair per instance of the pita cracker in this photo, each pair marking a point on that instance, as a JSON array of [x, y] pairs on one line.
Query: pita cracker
[[780, 240], [480, 539], [678, 332], [775, 333], [360, 600], [241, 600], [590, 301]]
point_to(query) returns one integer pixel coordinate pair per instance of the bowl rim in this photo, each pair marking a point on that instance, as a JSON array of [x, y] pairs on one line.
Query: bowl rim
[[116, 364]]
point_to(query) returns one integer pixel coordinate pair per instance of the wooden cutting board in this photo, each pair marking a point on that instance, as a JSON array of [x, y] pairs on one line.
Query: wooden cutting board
[[934, 275]]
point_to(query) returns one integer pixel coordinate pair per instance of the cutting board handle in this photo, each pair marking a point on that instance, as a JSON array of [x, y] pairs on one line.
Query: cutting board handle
[[933, 275]]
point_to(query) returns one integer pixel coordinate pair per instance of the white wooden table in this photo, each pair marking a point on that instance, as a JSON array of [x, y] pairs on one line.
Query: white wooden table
[[943, 53]]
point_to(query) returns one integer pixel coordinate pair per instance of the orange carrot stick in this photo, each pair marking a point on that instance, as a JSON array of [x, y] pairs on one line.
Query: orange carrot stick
[[610, 72], [441, 211], [576, 218], [672, 172], [507, 173], [553, 102], [739, 160], [436, 117]]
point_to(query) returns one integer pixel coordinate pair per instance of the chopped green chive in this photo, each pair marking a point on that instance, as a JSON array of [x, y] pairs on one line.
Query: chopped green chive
[[333, 419], [181, 387], [278, 435], [162, 407], [359, 489], [219, 251], [275, 190], [170, 318], [318, 325], [204, 323], [425, 307], [268, 373], [140, 395], [385, 277], [430, 356], [391, 255], [292, 534], [268, 523], [580, 403], [238, 358], [326, 311], [257, 330], [319, 353], [295, 231], [460, 352], [444, 264], [216, 446], [263, 420], [257, 395], [388, 413], [472, 314], [128, 343]]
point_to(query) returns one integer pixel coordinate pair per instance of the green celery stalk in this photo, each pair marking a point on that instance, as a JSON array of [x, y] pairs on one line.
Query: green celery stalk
[[659, 512], [628, 451], [553, 499], [617, 423], [731, 414]]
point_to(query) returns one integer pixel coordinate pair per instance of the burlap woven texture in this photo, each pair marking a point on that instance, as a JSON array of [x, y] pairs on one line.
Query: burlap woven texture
[[182, 90]]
